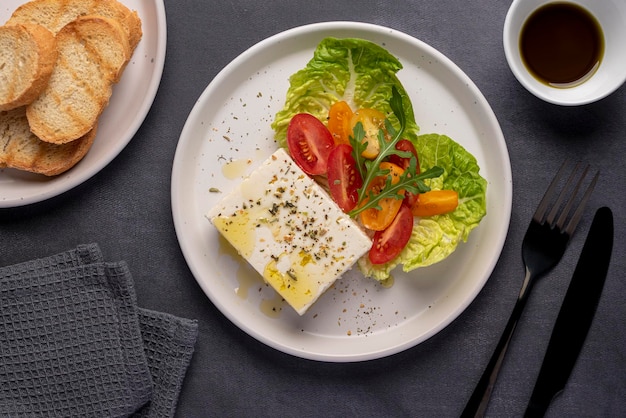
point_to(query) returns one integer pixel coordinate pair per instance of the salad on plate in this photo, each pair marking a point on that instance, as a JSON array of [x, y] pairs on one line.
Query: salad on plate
[[349, 123]]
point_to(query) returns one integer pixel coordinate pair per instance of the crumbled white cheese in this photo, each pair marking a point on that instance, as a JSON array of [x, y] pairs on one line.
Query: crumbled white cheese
[[290, 230]]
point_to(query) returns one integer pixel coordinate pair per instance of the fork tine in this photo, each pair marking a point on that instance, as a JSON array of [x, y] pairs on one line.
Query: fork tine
[[571, 226], [542, 214], [561, 221], [563, 195], [545, 201]]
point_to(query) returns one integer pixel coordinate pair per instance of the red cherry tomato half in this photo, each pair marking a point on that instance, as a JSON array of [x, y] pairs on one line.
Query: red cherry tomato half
[[389, 242], [310, 143], [344, 180], [406, 145]]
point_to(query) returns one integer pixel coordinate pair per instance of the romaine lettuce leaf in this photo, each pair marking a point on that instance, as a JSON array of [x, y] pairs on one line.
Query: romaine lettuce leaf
[[355, 70], [436, 237]]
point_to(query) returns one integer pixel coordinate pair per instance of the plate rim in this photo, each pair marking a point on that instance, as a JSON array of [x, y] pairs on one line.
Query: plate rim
[[324, 27], [70, 179]]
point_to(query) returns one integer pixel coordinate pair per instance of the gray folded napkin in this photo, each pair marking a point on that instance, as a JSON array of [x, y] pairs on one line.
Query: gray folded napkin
[[168, 343], [75, 343]]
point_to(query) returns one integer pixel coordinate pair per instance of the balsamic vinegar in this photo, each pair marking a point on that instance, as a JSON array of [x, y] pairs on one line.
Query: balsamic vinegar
[[562, 44]]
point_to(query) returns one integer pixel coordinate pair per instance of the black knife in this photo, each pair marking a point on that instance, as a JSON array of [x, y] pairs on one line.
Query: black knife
[[576, 314]]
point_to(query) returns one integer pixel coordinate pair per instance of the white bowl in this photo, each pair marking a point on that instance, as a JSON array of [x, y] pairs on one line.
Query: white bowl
[[611, 73]]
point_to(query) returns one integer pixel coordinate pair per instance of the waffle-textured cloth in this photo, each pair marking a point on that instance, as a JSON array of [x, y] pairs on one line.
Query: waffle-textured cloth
[[169, 343], [74, 343]]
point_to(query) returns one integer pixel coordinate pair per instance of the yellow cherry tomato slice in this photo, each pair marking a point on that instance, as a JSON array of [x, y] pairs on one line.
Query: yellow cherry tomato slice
[[339, 122], [373, 121], [379, 219], [435, 202]]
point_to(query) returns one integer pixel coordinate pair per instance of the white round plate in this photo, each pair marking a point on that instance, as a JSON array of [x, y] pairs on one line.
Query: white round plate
[[131, 100], [228, 134]]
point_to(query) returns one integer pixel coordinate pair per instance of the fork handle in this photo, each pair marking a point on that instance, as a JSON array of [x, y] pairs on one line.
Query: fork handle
[[477, 404]]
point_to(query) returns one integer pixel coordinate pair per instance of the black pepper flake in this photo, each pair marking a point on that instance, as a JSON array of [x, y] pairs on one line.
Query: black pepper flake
[[274, 209]]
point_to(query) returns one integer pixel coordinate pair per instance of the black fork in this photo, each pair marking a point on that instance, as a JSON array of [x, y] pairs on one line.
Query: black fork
[[543, 247]]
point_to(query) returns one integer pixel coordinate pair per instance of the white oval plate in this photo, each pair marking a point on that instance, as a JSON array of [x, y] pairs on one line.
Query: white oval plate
[[228, 134], [131, 100]]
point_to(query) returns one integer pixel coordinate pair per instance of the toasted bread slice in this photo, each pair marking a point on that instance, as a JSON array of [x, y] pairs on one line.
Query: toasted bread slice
[[22, 150], [92, 53], [55, 14], [27, 56]]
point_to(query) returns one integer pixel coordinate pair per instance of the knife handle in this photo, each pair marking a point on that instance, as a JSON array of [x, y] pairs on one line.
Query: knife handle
[[538, 406], [576, 314]]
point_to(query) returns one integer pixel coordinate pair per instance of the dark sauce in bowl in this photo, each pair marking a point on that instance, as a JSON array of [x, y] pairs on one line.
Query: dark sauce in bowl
[[562, 44]]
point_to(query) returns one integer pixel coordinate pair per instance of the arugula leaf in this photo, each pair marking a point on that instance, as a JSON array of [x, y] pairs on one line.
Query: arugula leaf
[[413, 184], [358, 146], [370, 169]]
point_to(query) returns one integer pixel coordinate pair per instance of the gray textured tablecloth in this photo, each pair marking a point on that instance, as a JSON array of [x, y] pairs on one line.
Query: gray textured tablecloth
[[75, 343], [126, 209]]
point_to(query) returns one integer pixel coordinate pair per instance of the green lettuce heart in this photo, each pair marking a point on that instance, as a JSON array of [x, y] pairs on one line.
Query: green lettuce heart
[[354, 70]]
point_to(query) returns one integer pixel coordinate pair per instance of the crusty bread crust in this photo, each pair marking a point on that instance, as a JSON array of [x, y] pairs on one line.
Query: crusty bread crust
[[28, 54], [93, 43], [22, 150], [92, 53], [55, 14]]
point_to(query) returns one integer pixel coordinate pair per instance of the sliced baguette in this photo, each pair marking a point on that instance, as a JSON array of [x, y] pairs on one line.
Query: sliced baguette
[[27, 57], [22, 150], [55, 14], [92, 53]]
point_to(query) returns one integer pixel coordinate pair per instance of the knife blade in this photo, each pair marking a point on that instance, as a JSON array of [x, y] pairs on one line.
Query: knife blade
[[576, 313]]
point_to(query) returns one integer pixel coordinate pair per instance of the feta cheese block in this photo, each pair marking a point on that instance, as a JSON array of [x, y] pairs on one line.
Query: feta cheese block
[[290, 230]]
